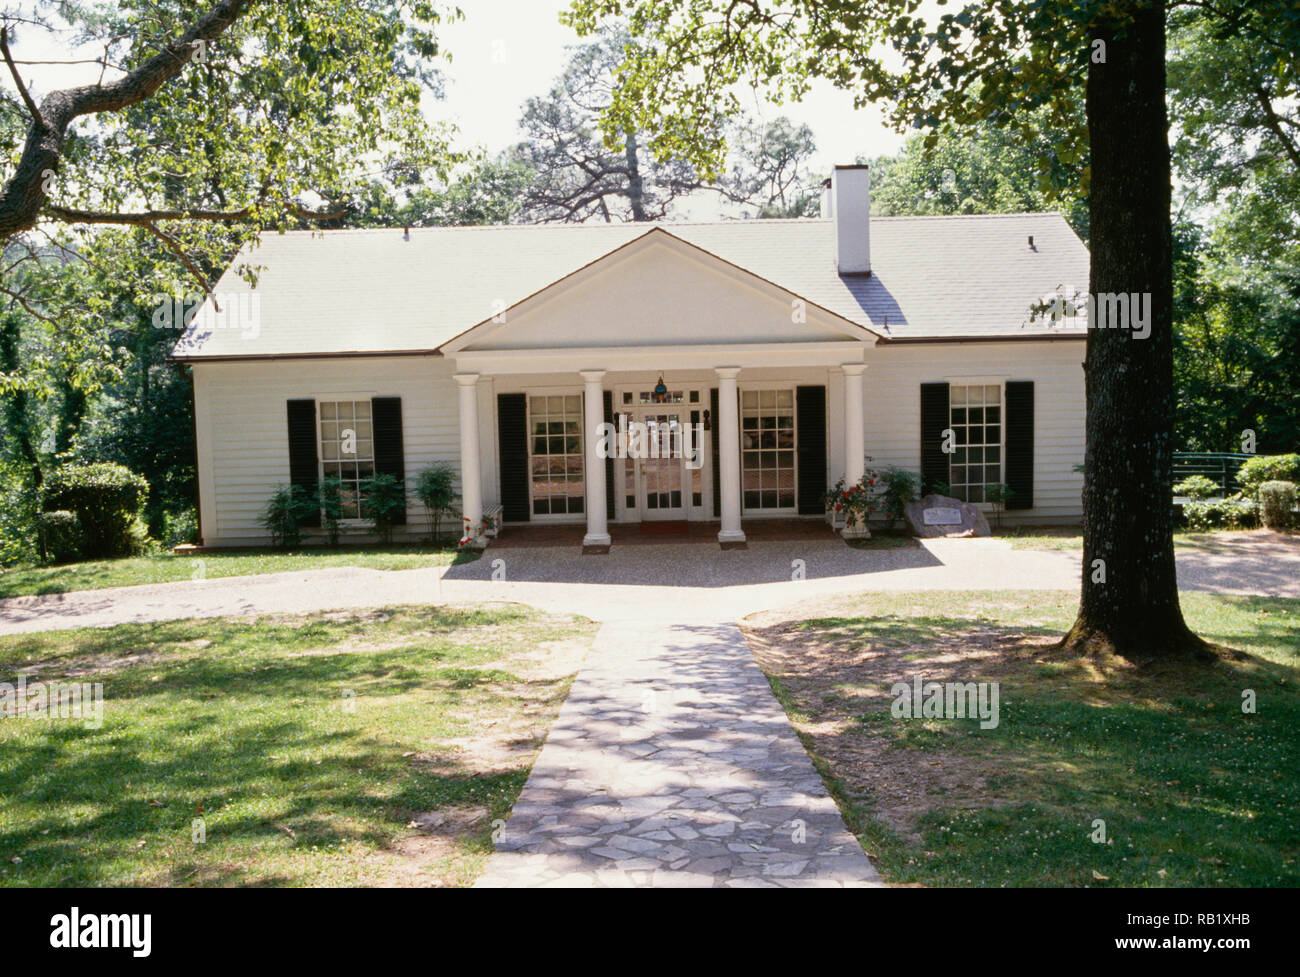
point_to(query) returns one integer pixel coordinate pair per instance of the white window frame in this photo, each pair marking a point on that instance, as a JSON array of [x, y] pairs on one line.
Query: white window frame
[[1000, 383], [566, 391], [357, 521], [760, 386]]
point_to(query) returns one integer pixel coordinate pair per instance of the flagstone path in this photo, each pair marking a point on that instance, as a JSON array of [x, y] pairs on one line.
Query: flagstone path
[[672, 764]]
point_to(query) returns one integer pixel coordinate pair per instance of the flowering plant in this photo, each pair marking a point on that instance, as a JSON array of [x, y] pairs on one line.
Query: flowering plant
[[857, 502], [486, 525]]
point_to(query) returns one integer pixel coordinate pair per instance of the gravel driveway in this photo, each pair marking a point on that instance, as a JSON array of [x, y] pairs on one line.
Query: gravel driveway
[[682, 584]]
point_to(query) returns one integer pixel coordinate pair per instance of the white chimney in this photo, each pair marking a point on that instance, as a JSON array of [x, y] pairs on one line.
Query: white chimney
[[848, 202]]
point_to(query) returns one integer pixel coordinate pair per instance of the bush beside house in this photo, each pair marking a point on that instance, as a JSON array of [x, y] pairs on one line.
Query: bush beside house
[[108, 502]]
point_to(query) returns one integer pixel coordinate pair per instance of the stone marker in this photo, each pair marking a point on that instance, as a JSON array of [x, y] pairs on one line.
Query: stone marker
[[938, 515]]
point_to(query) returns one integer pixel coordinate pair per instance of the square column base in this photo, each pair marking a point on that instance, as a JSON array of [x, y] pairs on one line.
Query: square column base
[[732, 539], [596, 544]]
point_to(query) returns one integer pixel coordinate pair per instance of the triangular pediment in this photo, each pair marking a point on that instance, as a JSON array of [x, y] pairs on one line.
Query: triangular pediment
[[657, 290]]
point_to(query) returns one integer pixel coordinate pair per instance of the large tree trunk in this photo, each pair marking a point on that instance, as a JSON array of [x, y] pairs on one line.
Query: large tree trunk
[[1130, 591]]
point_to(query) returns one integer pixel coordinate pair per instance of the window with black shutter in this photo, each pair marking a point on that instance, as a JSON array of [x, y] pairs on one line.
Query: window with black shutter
[[512, 454], [1020, 443], [810, 431], [934, 421], [390, 455], [303, 462], [609, 462], [717, 485]]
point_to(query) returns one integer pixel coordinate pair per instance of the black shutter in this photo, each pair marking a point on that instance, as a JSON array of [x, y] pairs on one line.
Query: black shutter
[[390, 457], [1020, 443], [303, 468], [512, 453], [810, 431], [713, 423], [609, 462], [934, 421]]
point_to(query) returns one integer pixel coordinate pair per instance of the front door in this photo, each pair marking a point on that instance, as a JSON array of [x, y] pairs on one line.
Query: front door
[[660, 469]]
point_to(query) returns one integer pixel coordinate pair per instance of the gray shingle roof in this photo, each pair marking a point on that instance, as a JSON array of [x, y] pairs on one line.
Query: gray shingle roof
[[372, 291]]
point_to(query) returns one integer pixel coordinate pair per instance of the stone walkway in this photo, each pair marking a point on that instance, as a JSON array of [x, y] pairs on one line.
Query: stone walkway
[[672, 764]]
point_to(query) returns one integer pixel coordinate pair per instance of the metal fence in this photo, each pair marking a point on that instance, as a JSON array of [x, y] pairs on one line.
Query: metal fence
[[1220, 467]]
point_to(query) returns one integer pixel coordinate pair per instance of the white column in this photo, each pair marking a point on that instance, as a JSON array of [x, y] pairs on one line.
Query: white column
[[854, 441], [594, 465], [471, 478], [728, 435]]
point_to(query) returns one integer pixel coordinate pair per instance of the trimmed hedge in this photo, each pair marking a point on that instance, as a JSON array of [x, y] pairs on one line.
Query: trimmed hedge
[[1203, 515], [1276, 502], [107, 500], [60, 533]]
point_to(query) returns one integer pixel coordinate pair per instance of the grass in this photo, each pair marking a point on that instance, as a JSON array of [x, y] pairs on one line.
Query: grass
[[167, 567], [1192, 790], [346, 749], [1071, 538]]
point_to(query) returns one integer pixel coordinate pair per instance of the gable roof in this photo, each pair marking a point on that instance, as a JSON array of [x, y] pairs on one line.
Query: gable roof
[[657, 235], [376, 291]]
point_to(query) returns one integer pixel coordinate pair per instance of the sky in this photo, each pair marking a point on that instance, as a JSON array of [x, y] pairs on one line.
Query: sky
[[502, 52]]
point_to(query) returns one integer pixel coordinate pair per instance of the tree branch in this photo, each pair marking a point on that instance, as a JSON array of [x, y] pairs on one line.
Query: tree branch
[[25, 192], [70, 215], [1275, 126], [18, 79], [171, 244]]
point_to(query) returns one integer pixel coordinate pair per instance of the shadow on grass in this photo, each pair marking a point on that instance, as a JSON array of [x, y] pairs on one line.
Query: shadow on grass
[[1171, 776], [254, 734]]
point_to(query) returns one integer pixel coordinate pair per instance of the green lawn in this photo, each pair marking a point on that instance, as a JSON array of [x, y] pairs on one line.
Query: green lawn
[[165, 568], [1071, 538], [308, 746], [1192, 790]]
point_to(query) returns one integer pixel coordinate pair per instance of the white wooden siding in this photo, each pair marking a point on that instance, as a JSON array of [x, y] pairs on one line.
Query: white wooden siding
[[893, 410], [243, 435], [243, 442]]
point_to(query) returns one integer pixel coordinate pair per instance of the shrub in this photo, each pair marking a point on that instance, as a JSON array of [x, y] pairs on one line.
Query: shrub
[[383, 500], [998, 495], [19, 508], [179, 527], [434, 490], [901, 487], [284, 514], [60, 534], [1267, 468], [1197, 487], [1202, 516], [107, 499], [329, 495], [1276, 502]]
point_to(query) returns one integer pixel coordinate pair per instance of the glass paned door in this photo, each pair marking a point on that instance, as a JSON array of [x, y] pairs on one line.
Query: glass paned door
[[661, 482]]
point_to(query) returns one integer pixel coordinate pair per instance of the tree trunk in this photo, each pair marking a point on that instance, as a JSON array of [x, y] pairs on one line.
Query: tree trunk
[[1130, 590], [635, 182]]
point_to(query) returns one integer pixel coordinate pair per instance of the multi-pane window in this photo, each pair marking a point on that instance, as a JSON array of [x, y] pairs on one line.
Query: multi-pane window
[[976, 419], [347, 449], [555, 426], [767, 443]]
